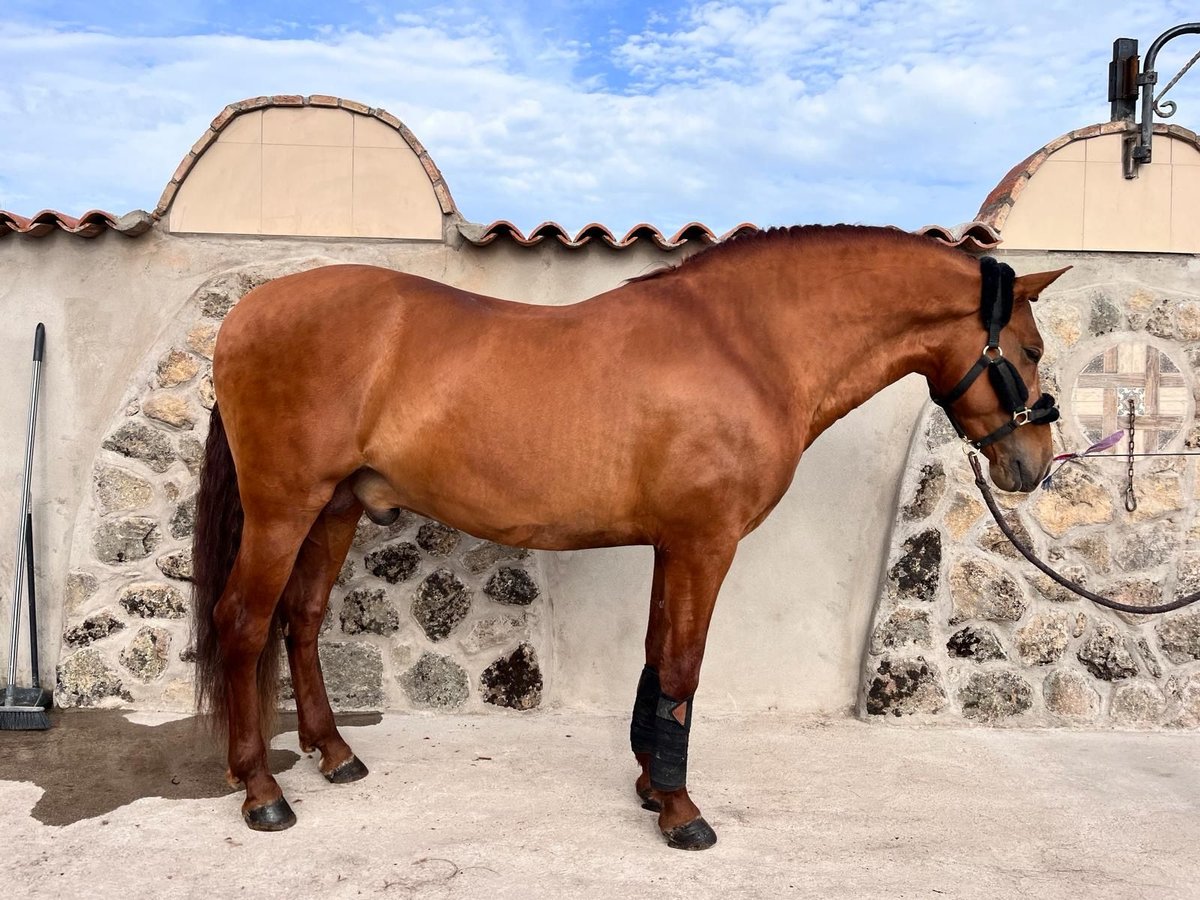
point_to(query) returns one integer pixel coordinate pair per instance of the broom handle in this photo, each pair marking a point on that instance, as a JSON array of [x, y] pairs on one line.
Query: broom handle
[[34, 671], [39, 345]]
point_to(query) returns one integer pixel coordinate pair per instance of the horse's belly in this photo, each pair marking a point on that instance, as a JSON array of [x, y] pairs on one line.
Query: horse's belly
[[538, 502]]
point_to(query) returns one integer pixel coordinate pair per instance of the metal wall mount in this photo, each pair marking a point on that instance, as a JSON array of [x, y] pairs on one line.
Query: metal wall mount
[[1130, 84]]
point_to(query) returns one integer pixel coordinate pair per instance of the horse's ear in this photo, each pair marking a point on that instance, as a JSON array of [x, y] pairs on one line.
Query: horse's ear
[[1029, 286]]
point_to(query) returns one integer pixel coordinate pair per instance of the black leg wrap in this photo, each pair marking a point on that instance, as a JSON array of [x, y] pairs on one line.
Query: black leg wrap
[[668, 767], [641, 729]]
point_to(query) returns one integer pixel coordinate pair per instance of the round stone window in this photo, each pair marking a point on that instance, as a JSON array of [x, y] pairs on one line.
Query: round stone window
[[1137, 371]]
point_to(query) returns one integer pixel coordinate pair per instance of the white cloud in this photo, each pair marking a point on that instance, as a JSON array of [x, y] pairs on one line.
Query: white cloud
[[773, 112]]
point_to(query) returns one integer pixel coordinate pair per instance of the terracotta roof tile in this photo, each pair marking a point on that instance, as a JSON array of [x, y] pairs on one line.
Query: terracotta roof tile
[[974, 236], [89, 225]]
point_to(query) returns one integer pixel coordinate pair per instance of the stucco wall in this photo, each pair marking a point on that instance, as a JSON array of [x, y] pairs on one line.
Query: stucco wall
[[789, 627]]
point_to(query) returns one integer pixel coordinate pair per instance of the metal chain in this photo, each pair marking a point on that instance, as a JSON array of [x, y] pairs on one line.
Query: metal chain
[[1130, 496]]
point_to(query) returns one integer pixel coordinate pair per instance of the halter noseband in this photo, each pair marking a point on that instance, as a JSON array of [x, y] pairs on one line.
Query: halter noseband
[[995, 307]]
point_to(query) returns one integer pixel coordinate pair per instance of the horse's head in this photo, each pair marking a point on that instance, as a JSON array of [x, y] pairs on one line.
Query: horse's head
[[990, 411]]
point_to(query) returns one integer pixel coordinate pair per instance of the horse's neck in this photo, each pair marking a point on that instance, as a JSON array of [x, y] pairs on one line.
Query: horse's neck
[[848, 327]]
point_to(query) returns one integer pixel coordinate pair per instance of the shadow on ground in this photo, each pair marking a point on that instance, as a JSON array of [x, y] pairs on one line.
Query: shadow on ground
[[90, 763]]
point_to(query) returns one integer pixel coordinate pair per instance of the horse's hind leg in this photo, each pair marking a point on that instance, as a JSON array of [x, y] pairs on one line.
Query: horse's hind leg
[[691, 576], [304, 603], [271, 538]]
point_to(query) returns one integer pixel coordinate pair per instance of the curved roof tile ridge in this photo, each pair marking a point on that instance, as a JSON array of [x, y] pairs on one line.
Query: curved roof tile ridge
[[644, 231], [91, 224], [592, 231], [693, 231], [974, 236], [737, 230]]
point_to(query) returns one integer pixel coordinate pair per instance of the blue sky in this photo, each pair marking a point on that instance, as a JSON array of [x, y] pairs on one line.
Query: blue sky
[[769, 111]]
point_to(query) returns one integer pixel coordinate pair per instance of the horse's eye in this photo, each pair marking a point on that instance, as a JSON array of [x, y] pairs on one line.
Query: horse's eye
[[1032, 353]]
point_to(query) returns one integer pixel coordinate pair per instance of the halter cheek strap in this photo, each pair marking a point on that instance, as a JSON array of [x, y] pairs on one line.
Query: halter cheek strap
[[995, 308]]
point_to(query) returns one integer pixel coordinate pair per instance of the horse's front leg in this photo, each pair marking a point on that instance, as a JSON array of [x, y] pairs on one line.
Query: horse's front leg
[[641, 728], [687, 579]]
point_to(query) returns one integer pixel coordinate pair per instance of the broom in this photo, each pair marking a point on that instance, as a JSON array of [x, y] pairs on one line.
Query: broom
[[24, 709]]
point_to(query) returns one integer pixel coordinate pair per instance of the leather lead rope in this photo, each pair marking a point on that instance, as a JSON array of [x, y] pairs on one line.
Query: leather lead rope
[[981, 483]]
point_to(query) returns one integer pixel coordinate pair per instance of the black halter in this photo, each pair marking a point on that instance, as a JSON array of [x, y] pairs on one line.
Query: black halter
[[995, 306]]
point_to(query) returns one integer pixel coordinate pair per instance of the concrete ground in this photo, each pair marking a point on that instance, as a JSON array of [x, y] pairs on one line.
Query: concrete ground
[[542, 806]]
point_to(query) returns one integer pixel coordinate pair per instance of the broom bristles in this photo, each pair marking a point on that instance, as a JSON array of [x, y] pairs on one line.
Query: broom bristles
[[23, 718]]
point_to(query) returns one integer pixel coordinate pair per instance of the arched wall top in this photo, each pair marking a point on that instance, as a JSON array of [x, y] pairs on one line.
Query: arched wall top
[[1084, 189], [361, 171]]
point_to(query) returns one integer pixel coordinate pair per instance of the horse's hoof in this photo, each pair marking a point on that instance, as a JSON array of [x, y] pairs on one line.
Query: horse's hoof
[[695, 835], [274, 816], [649, 801], [344, 773]]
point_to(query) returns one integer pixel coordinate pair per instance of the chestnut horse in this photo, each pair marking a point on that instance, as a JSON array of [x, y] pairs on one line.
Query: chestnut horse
[[671, 411]]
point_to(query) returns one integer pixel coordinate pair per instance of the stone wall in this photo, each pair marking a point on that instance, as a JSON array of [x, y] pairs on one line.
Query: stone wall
[[422, 616], [966, 629]]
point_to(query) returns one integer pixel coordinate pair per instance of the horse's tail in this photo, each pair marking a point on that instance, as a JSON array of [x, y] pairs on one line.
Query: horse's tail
[[218, 534]]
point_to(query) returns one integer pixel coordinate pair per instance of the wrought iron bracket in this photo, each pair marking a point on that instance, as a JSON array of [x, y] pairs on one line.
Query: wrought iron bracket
[[1126, 83]]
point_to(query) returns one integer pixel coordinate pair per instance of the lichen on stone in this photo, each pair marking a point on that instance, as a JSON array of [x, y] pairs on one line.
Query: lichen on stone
[[441, 602], [905, 687], [980, 589], [931, 485], [436, 682], [118, 490], [1179, 637], [512, 587], [514, 681], [177, 565], [125, 540], [94, 628], [151, 600], [369, 612], [903, 627], [993, 696], [1043, 640], [183, 518], [975, 642], [85, 679], [394, 563], [915, 574], [139, 441], [146, 654], [437, 539], [1105, 654]]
